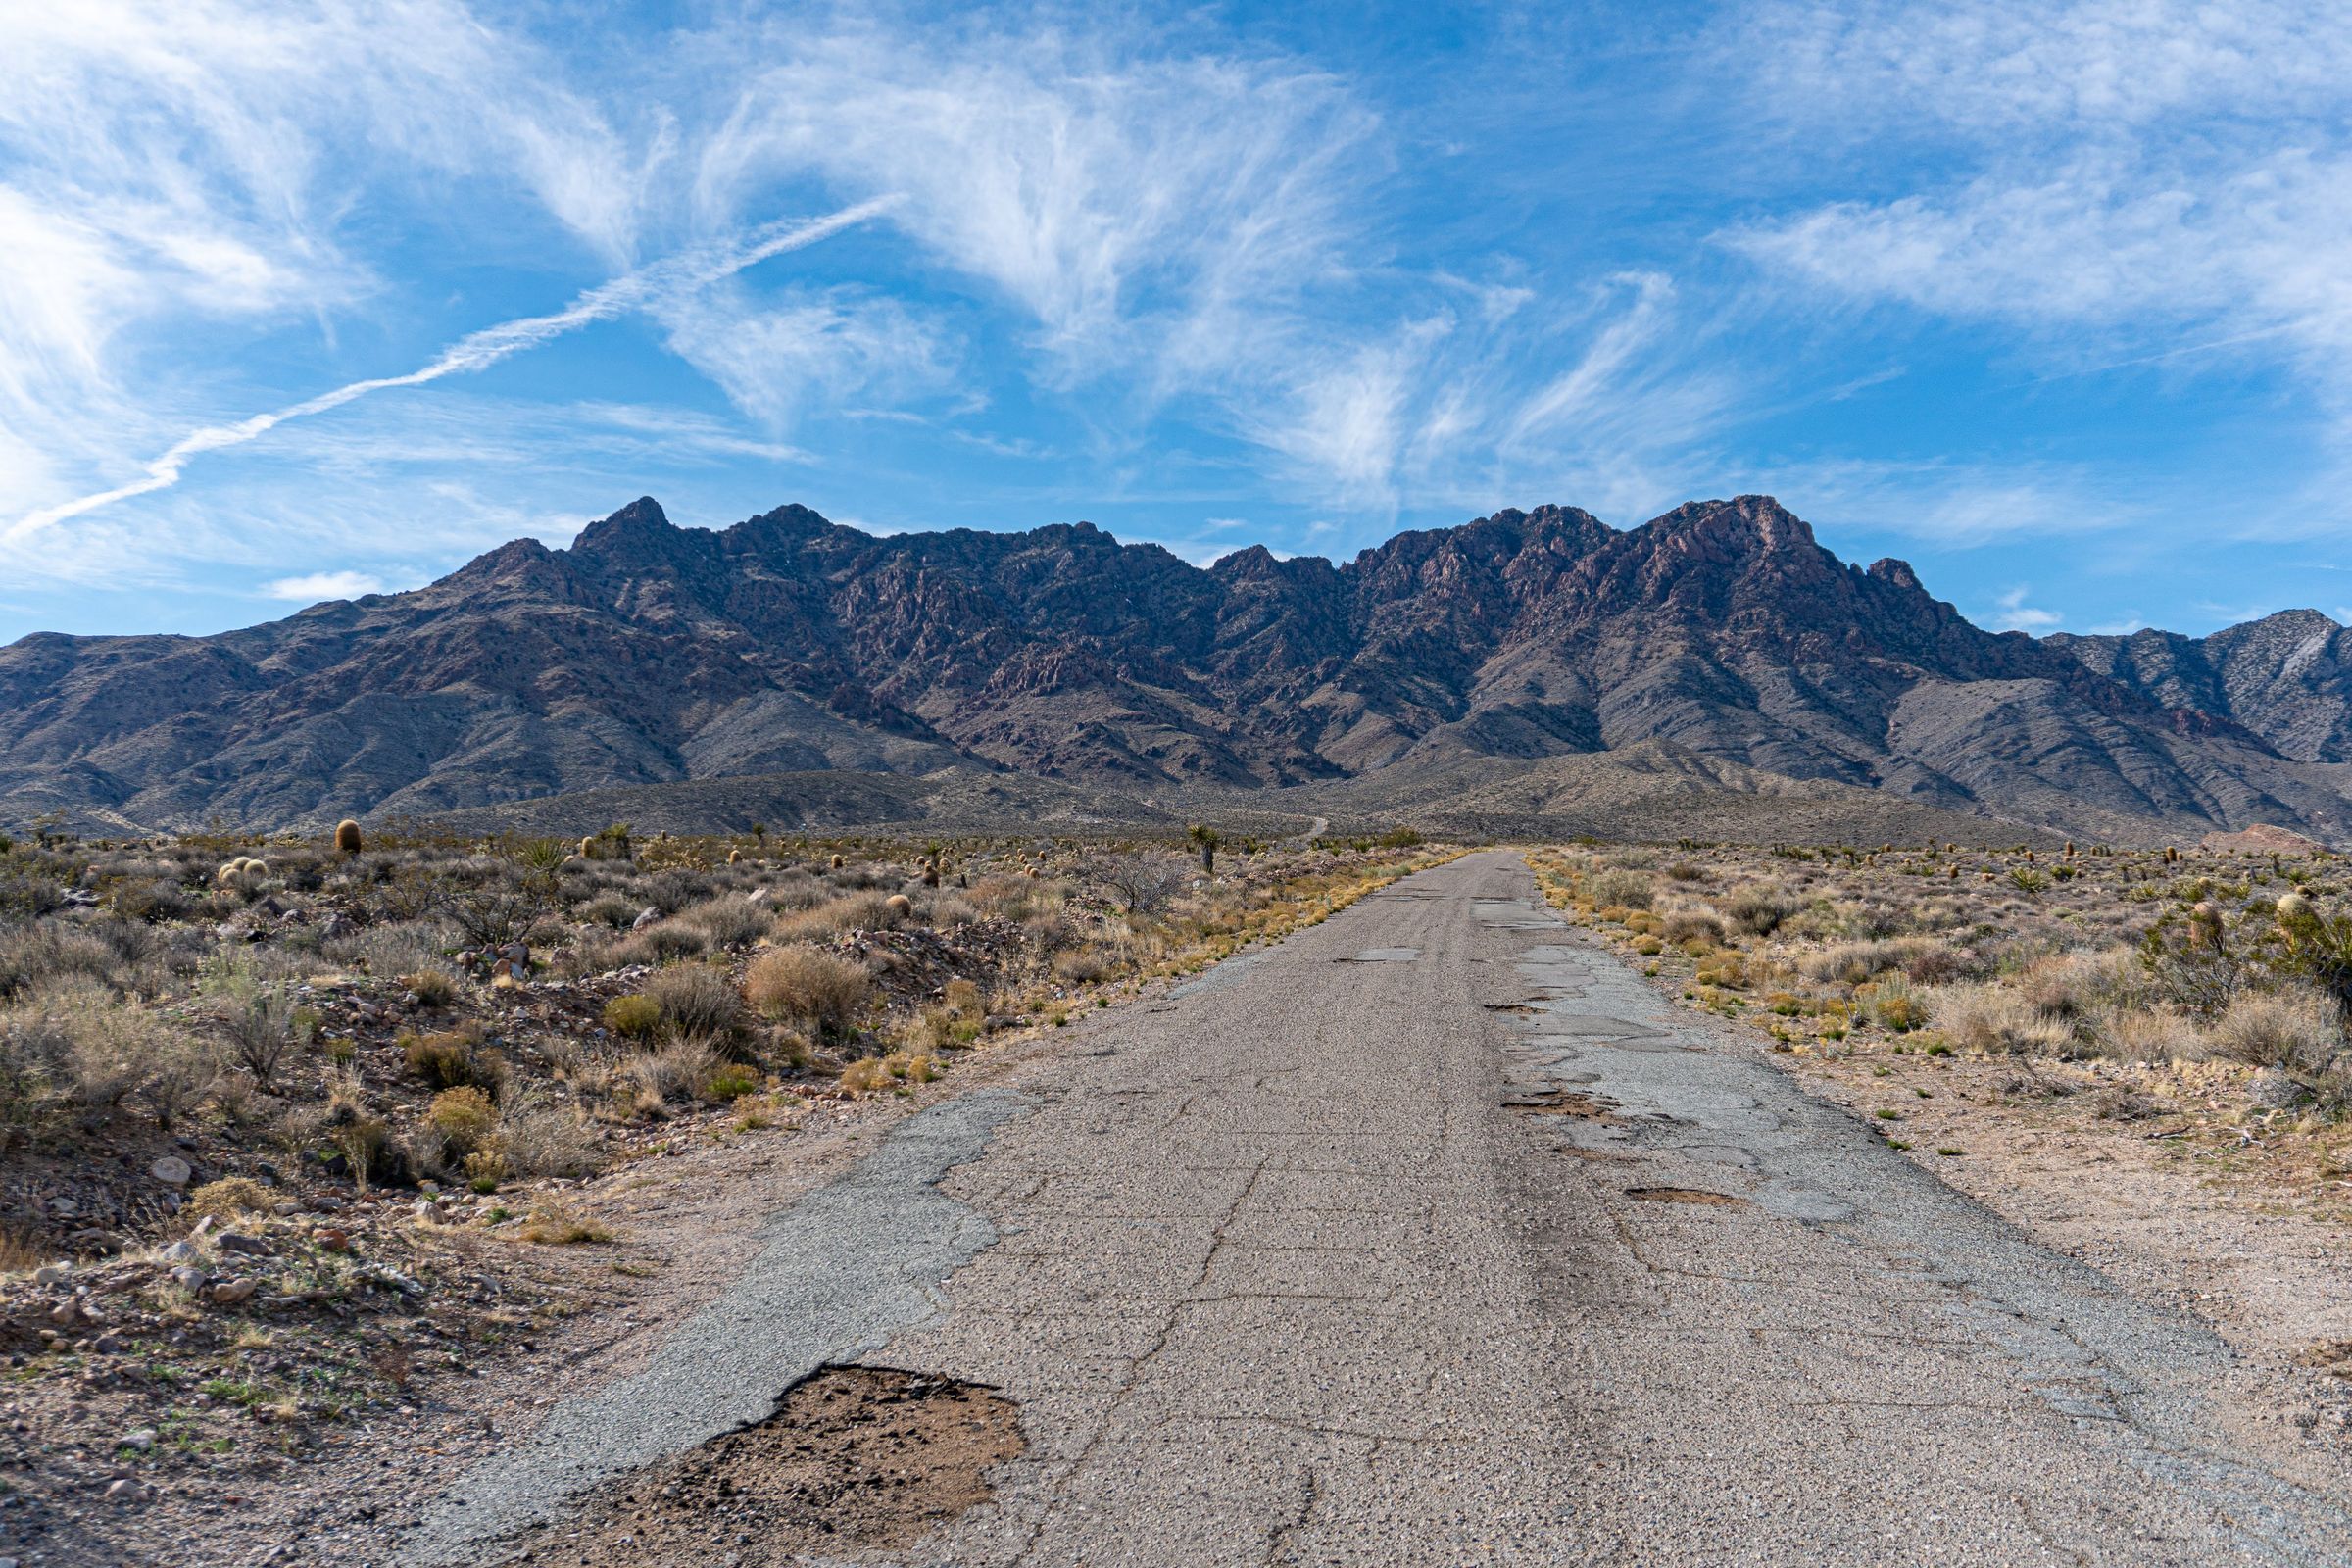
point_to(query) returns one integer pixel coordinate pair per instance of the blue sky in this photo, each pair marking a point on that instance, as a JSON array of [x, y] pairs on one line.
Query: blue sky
[[2052, 299]]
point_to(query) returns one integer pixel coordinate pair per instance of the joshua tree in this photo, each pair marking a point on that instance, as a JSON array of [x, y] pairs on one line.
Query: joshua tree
[[1205, 837]]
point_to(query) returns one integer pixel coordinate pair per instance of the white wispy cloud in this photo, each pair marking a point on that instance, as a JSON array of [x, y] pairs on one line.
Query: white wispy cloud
[[325, 585], [2012, 613], [2173, 176], [678, 275]]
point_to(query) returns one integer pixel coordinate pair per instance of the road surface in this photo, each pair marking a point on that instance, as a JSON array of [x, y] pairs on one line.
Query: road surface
[[1433, 1236]]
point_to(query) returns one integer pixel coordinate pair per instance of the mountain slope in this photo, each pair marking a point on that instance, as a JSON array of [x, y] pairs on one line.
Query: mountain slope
[[2286, 677], [647, 654]]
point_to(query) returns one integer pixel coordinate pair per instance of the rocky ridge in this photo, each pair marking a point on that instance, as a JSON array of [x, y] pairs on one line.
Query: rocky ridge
[[648, 654]]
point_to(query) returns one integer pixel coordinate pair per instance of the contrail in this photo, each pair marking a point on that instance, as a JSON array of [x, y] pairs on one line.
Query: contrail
[[477, 351]]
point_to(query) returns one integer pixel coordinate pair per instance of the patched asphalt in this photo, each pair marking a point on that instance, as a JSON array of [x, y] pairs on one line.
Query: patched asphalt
[[1435, 1236]]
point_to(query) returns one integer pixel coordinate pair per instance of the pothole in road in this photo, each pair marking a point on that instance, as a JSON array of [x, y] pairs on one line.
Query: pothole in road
[[1683, 1195], [855, 1459], [1564, 1102]]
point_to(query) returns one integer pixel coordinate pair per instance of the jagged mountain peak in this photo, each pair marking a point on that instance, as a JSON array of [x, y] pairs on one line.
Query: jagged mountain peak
[[649, 652]]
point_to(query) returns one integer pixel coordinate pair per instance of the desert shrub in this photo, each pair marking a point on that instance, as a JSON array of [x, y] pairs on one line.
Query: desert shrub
[[864, 1077], [1623, 888], [433, 987], [794, 891], [633, 1017], [1082, 966], [227, 1199], [728, 922], [1933, 963], [1852, 962], [35, 954], [181, 1071], [109, 1045], [150, 901], [544, 1139], [1897, 1008], [1002, 897], [461, 1120], [260, 1024], [2154, 1036], [728, 1082], [609, 908], [2076, 986], [963, 998], [496, 913], [676, 1072], [2295, 1030], [801, 984], [395, 947], [1693, 923], [856, 912], [1986, 1017], [454, 1059], [1759, 910], [676, 889], [949, 909], [665, 943], [696, 1001], [1140, 884]]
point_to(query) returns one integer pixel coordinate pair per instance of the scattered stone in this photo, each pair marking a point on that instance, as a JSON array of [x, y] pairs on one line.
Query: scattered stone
[[140, 1442], [171, 1171], [240, 1242], [229, 1293]]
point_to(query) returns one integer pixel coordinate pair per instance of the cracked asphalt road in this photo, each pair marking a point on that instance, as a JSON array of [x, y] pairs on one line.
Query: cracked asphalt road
[[1433, 1236]]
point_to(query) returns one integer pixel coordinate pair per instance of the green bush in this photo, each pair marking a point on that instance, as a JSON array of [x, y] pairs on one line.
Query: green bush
[[633, 1017]]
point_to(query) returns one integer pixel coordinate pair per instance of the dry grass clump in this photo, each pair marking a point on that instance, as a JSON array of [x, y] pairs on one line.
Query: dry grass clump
[[544, 1139], [728, 922], [1619, 888], [229, 1197], [856, 912], [696, 1001], [1693, 923], [1759, 910], [807, 987], [2296, 1030]]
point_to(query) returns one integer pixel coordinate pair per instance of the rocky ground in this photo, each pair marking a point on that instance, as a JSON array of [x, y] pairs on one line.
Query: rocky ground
[[246, 1307]]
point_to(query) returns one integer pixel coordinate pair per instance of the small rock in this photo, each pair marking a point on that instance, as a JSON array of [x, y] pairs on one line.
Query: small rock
[[123, 1490], [645, 918], [239, 1243], [188, 1279], [140, 1442], [178, 1252], [171, 1171], [229, 1293], [338, 929], [51, 1274], [335, 1241]]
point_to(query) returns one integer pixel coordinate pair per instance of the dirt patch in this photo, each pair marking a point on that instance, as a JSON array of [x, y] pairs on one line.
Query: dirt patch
[[855, 1459], [1564, 1102], [1682, 1195], [1510, 1006]]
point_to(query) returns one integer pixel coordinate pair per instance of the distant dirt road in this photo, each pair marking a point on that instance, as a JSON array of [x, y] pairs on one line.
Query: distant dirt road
[[1433, 1237]]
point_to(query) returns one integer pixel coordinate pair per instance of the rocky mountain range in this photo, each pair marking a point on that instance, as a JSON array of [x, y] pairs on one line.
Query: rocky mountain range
[[647, 654]]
